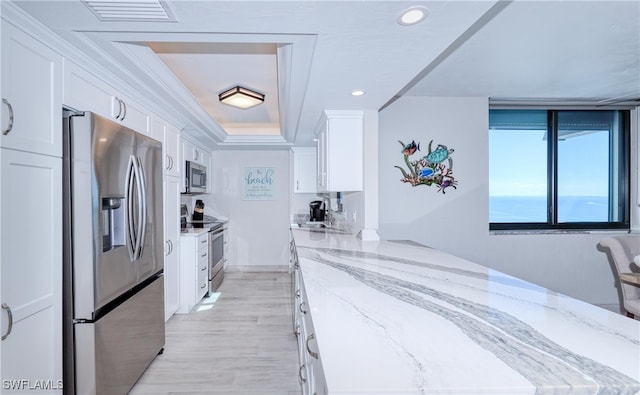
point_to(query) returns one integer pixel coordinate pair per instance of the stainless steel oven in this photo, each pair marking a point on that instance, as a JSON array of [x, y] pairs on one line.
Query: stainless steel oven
[[216, 257]]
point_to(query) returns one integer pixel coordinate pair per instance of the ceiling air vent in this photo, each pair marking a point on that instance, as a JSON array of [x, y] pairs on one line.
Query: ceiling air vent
[[130, 10]]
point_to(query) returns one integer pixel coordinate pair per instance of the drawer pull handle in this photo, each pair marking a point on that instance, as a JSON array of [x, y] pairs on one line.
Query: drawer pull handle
[[203, 268], [203, 285], [297, 293], [313, 354], [297, 331], [10, 125], [10, 326], [203, 255], [303, 311], [302, 379]]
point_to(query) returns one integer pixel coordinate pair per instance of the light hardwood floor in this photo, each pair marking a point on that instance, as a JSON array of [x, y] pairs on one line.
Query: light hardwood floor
[[240, 344]]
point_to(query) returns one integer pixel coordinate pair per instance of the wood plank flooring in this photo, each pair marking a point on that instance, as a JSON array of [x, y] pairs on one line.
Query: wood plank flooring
[[240, 344]]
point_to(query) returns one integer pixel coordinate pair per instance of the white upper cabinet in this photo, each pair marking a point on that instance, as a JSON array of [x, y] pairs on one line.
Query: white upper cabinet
[[31, 96], [340, 151], [85, 92], [304, 170], [172, 143], [193, 153], [170, 137]]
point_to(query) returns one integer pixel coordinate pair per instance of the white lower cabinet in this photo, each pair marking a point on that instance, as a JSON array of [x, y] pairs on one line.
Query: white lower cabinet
[[310, 373], [31, 267], [172, 246], [194, 269]]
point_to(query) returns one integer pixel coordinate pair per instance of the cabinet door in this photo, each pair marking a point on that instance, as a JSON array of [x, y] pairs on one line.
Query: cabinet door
[[170, 137], [344, 154], [131, 114], [340, 151], [304, 170], [31, 265], [323, 175], [31, 93], [172, 151], [172, 246], [188, 151], [85, 92]]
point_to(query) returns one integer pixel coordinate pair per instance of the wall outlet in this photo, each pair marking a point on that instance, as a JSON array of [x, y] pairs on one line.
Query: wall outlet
[[354, 216]]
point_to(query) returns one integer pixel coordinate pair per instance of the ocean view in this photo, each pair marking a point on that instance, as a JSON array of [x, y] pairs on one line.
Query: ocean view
[[534, 209]]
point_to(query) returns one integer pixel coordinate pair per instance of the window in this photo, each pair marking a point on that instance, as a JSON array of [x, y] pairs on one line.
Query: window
[[559, 169]]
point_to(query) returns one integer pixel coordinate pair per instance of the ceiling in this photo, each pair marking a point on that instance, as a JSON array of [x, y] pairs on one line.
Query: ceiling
[[307, 56]]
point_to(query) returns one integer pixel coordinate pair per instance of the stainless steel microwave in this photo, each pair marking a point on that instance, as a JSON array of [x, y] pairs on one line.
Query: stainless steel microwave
[[195, 178]]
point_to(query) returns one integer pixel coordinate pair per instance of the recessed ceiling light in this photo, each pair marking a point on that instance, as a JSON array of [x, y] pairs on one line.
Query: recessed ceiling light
[[357, 92], [412, 15]]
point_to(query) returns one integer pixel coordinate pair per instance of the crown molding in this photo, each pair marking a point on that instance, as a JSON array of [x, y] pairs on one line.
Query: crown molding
[[135, 71]]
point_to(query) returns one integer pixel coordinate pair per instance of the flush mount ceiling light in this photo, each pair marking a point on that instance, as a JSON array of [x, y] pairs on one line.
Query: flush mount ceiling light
[[241, 97], [412, 15], [357, 92]]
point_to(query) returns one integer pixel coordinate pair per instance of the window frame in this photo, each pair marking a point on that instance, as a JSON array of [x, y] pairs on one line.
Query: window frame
[[624, 167]]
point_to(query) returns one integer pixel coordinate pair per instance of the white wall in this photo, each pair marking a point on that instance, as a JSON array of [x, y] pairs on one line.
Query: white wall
[[258, 230], [457, 221]]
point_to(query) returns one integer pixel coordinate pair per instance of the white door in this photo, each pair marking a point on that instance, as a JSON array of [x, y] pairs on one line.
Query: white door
[[31, 94], [172, 246], [31, 266]]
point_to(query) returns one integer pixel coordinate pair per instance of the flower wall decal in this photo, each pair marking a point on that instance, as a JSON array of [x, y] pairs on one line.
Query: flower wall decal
[[435, 168]]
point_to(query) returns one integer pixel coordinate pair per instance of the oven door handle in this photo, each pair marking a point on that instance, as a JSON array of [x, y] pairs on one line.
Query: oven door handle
[[217, 231]]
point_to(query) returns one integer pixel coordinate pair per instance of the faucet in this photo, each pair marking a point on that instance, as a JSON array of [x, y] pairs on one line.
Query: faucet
[[328, 213]]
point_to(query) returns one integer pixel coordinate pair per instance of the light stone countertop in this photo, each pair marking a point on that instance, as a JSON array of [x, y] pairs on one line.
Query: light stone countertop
[[191, 232], [394, 318]]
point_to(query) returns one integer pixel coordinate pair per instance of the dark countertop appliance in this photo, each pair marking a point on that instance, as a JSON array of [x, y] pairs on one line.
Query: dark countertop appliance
[[316, 211]]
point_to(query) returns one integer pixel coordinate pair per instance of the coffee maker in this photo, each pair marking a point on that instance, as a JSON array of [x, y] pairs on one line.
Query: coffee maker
[[316, 211]]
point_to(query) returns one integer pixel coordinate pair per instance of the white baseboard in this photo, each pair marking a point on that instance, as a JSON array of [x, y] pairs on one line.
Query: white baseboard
[[256, 268]]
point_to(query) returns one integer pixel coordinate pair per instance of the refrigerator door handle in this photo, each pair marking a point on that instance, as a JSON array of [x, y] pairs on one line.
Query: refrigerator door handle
[[129, 194], [142, 208]]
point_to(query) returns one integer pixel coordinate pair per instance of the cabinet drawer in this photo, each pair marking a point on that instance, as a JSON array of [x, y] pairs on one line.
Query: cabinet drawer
[[203, 278], [203, 242]]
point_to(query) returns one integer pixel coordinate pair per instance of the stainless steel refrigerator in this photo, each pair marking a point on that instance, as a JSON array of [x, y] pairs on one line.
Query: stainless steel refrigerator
[[113, 255]]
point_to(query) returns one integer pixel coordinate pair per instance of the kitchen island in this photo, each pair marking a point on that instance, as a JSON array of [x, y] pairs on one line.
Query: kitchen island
[[396, 318]]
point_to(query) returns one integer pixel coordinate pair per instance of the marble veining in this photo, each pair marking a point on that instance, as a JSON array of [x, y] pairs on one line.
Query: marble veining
[[515, 336], [543, 362], [359, 256]]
